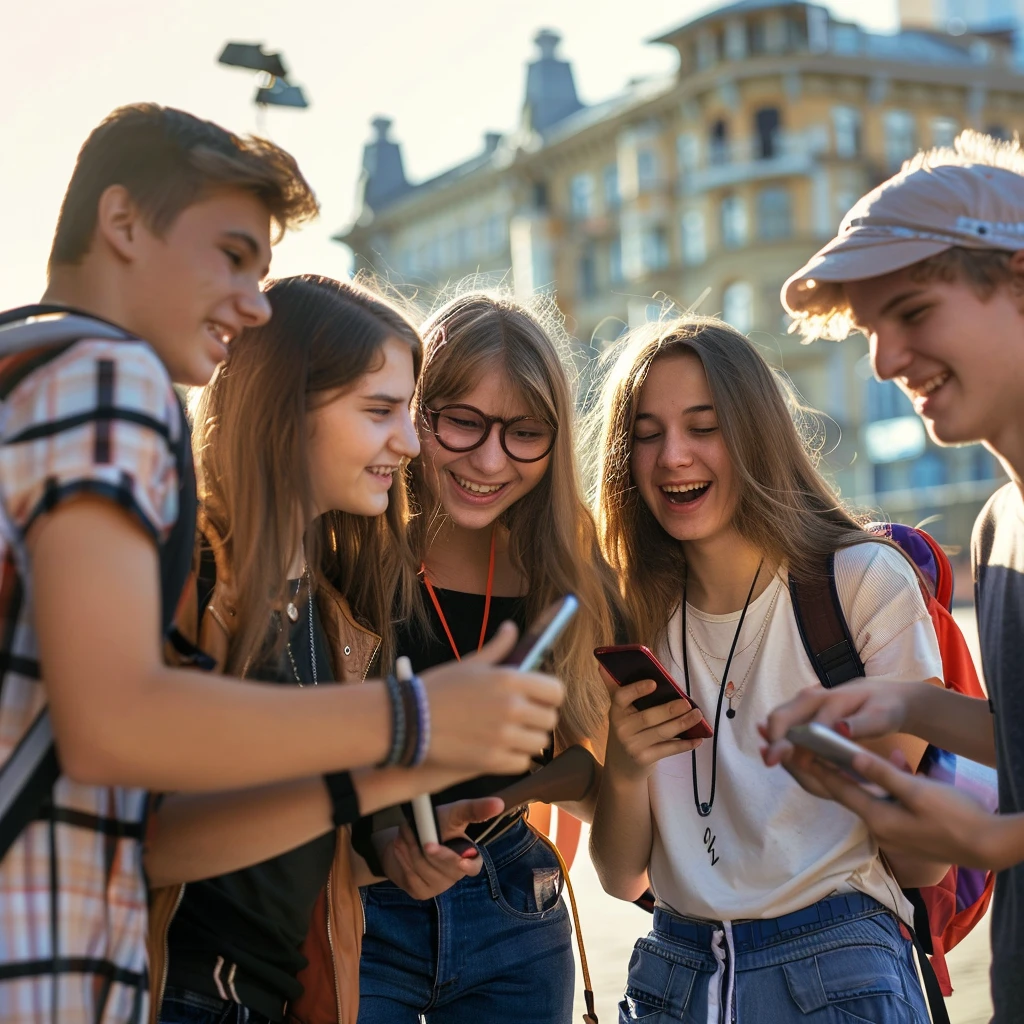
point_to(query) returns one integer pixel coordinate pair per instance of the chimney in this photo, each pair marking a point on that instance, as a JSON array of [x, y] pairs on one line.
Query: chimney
[[550, 89], [383, 178]]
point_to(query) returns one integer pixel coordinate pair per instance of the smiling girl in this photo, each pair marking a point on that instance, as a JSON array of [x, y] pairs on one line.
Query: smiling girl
[[771, 904], [299, 441], [504, 532]]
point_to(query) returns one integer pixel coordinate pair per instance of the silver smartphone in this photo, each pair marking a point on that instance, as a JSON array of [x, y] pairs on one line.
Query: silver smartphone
[[536, 644], [827, 744]]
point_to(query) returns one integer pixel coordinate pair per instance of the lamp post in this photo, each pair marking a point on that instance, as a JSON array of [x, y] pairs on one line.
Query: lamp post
[[273, 88]]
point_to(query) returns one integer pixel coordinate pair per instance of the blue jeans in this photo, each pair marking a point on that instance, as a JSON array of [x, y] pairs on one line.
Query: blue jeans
[[183, 1007], [843, 960], [485, 950]]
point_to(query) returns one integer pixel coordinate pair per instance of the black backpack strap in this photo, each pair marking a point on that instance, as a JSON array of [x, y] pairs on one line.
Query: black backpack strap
[[823, 629]]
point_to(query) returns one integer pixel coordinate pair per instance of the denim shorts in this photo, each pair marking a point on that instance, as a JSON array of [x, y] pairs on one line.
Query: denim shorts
[[844, 960], [497, 947]]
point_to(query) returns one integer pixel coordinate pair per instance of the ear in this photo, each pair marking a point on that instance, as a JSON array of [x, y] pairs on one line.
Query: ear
[[118, 222]]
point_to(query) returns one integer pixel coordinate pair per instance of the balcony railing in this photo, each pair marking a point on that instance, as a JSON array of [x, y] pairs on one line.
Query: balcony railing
[[725, 164]]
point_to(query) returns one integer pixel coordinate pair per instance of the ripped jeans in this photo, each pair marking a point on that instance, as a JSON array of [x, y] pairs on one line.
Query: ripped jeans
[[843, 960]]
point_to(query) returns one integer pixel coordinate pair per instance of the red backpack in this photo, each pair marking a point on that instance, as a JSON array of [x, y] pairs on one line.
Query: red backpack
[[943, 913]]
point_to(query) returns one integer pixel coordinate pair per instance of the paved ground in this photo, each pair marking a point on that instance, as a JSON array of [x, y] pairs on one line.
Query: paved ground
[[610, 927]]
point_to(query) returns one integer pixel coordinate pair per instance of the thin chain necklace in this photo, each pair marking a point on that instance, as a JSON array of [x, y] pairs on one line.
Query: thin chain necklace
[[308, 576], [704, 808], [734, 693], [487, 601]]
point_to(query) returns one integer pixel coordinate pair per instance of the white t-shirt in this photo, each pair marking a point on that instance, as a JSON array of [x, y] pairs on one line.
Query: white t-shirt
[[768, 847]]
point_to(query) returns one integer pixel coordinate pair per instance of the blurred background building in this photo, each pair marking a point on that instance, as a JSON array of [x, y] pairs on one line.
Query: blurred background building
[[711, 186]]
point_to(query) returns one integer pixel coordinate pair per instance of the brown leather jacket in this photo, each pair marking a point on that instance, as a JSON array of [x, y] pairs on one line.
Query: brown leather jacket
[[333, 945]]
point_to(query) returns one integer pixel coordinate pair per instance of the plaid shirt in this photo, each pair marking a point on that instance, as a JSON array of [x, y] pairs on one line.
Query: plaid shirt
[[97, 417]]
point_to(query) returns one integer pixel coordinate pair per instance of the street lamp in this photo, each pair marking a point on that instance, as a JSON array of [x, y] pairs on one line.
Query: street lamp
[[274, 89]]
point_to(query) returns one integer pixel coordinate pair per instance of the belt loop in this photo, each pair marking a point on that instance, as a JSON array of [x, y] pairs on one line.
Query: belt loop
[[216, 978]]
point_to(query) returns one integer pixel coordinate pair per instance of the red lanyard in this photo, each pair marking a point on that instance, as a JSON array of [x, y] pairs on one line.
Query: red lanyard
[[487, 602]]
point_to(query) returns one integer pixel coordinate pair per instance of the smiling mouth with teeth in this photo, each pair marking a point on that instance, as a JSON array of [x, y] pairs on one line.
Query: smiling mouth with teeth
[[475, 488], [932, 385], [388, 471], [683, 494]]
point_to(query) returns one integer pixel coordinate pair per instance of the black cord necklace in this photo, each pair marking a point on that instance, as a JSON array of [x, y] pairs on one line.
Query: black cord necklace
[[704, 809]]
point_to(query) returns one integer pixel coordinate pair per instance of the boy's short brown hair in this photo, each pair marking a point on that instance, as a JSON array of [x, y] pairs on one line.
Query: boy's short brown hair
[[168, 160]]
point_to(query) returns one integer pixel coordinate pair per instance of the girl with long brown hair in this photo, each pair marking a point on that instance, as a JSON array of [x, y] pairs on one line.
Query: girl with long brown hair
[[300, 443], [503, 531], [770, 903]]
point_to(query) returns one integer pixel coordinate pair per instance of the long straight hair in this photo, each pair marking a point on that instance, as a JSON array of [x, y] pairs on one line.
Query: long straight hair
[[552, 536], [785, 507], [250, 440]]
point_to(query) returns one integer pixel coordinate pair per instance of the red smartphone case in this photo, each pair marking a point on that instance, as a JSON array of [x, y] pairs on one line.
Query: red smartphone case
[[629, 663]]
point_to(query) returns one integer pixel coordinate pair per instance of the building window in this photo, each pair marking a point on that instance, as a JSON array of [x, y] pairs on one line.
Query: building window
[[900, 137], [654, 248], [494, 233], [581, 196], [766, 125], [688, 152], [773, 213], [944, 131], [707, 49], [719, 142], [540, 195], [734, 222], [695, 244], [646, 170], [587, 282], [885, 401], [846, 123], [738, 306], [610, 179], [615, 273]]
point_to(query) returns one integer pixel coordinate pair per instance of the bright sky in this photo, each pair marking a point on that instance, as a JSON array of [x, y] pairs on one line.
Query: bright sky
[[446, 71]]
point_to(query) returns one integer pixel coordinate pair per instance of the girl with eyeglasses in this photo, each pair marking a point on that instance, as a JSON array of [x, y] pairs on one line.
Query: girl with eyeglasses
[[771, 905], [503, 531]]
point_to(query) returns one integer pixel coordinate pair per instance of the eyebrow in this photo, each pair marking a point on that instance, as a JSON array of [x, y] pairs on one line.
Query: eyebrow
[[387, 399], [686, 412], [897, 299], [246, 239]]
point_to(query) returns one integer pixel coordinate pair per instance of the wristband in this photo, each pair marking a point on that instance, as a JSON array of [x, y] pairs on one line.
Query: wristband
[[362, 843], [412, 723], [423, 721], [398, 723], [344, 801]]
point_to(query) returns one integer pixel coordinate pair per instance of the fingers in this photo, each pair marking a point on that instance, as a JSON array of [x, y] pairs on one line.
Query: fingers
[[454, 817], [499, 647], [890, 777]]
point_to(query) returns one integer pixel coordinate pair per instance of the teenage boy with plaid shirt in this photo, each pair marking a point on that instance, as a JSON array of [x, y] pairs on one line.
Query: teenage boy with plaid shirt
[[930, 267], [164, 235]]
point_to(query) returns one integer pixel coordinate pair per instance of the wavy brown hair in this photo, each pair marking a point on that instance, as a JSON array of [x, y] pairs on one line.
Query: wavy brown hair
[[785, 508], [552, 536], [251, 447]]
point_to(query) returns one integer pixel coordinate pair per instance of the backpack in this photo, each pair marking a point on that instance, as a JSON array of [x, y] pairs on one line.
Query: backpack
[[943, 913], [29, 338]]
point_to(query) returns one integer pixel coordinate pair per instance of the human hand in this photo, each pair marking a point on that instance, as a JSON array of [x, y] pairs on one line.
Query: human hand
[[427, 872], [857, 710], [927, 820], [487, 717], [639, 739]]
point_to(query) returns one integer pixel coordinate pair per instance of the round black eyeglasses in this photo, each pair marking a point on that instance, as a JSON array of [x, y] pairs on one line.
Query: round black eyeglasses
[[462, 428]]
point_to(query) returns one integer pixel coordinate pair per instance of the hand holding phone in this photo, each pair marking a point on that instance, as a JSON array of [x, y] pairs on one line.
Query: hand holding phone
[[631, 663], [830, 746]]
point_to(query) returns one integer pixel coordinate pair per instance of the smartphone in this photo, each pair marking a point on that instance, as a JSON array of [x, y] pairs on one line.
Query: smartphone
[[629, 663], [830, 746], [536, 643]]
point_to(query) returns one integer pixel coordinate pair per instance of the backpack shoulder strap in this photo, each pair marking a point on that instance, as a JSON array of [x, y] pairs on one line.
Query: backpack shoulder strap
[[823, 629]]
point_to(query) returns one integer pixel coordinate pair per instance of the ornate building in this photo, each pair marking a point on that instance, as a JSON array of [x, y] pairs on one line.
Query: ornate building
[[709, 187]]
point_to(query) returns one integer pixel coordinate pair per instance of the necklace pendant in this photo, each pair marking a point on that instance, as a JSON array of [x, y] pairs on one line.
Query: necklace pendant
[[731, 713], [291, 611], [705, 809]]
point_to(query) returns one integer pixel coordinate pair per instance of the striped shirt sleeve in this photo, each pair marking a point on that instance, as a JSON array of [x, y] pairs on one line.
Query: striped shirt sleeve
[[102, 418]]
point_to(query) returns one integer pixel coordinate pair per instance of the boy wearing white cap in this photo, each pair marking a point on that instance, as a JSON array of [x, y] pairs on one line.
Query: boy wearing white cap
[[930, 267]]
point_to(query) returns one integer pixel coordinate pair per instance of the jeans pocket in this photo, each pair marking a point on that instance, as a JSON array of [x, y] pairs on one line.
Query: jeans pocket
[[530, 885], [661, 986], [856, 984]]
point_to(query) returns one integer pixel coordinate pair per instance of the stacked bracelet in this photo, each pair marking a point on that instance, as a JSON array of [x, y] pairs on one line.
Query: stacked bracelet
[[410, 722], [423, 722], [398, 723]]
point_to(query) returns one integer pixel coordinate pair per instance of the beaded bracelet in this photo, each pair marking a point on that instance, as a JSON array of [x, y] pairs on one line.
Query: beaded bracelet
[[398, 723], [412, 722], [423, 716]]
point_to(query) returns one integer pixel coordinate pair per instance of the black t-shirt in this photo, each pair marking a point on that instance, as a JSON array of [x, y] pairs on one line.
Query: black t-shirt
[[998, 556], [258, 917], [465, 615]]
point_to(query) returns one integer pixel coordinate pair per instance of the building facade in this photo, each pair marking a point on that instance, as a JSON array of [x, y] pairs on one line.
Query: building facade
[[707, 189]]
